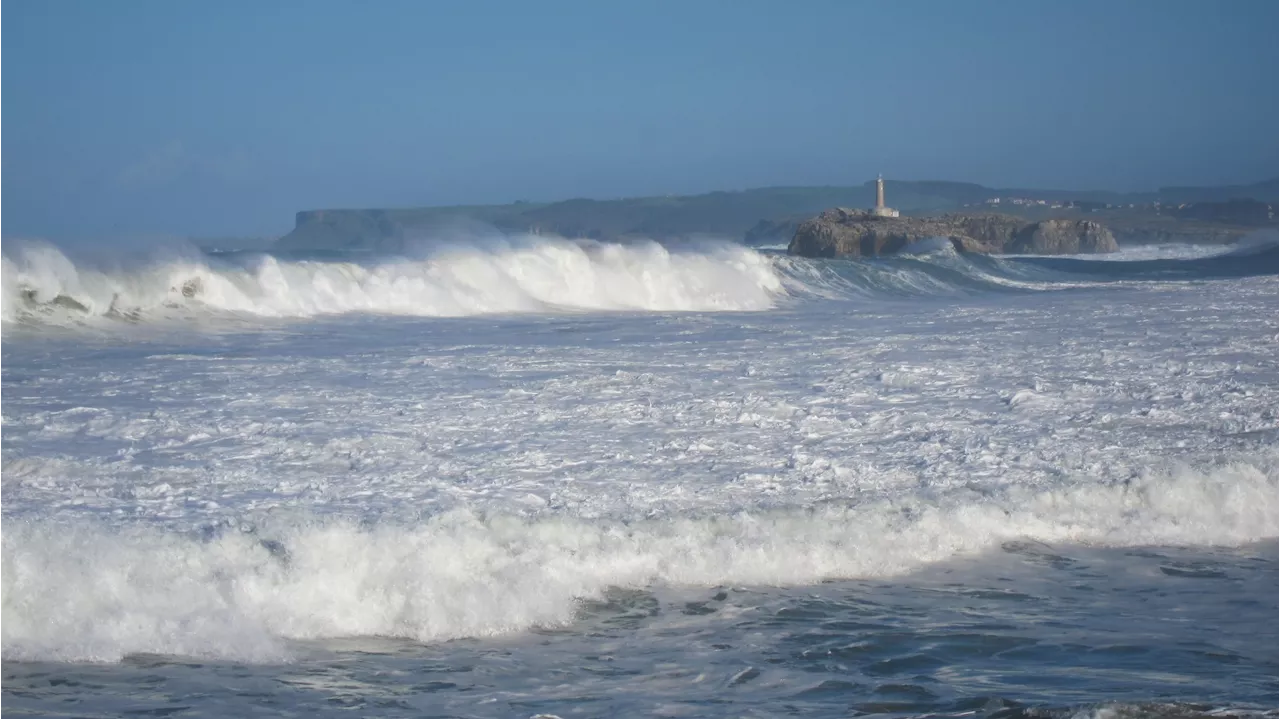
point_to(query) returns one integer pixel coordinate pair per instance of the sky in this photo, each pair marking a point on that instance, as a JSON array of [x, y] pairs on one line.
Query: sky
[[223, 119]]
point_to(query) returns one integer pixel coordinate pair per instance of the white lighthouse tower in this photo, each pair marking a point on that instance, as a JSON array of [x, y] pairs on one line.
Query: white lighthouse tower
[[880, 210]]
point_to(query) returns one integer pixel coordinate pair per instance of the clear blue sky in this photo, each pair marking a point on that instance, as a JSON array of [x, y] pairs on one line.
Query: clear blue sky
[[224, 118]]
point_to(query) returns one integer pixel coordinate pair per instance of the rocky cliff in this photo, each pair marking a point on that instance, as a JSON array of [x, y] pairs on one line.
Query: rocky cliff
[[1062, 237], [719, 214], [857, 233], [344, 230]]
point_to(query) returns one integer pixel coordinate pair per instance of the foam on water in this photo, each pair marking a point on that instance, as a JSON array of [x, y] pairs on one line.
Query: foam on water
[[520, 274], [84, 591], [41, 284], [1038, 484]]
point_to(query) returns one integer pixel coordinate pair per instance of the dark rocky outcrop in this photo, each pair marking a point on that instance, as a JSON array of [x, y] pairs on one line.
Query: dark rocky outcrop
[[764, 216], [857, 233], [768, 232], [344, 229], [715, 214], [1062, 237]]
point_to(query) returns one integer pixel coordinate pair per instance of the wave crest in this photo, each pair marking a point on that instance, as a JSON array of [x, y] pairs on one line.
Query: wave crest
[[526, 274], [84, 591]]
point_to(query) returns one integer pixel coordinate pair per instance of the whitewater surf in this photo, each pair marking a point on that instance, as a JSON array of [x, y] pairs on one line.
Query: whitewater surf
[[698, 473], [530, 274], [42, 284]]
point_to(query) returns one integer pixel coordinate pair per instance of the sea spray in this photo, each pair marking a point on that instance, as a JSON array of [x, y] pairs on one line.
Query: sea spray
[[79, 590], [529, 274]]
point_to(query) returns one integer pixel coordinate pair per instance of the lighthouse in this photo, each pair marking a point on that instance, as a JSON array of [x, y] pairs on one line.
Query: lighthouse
[[880, 210]]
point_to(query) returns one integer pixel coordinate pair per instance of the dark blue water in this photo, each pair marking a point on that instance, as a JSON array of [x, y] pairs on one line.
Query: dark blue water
[[1031, 630]]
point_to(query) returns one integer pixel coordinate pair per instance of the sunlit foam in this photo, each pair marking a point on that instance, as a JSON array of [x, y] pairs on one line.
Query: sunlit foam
[[82, 591], [523, 274]]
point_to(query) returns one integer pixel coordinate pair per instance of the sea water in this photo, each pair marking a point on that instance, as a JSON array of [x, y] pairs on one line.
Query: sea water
[[532, 476]]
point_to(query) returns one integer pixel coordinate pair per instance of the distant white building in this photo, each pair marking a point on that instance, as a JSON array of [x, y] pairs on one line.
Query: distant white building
[[880, 210]]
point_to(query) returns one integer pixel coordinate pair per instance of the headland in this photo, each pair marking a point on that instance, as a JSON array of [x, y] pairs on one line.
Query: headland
[[774, 215]]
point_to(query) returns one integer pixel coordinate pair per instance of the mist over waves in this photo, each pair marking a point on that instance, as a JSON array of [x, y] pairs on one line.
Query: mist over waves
[[45, 284], [915, 484]]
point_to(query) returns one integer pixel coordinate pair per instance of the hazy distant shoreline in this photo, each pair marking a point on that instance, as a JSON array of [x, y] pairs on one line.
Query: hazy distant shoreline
[[770, 215]]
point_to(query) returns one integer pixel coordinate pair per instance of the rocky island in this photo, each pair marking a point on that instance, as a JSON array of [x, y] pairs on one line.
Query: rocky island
[[861, 233], [980, 219], [882, 230]]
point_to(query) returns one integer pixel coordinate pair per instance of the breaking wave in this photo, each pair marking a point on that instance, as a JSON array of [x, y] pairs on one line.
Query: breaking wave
[[530, 274], [932, 268], [84, 591], [1254, 255]]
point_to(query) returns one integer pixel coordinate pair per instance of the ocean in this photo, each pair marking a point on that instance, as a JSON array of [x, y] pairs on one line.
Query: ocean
[[534, 477]]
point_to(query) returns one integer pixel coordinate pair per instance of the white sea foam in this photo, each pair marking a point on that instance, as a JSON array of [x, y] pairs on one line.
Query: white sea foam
[[1170, 251], [930, 245], [507, 275], [520, 274], [559, 456], [82, 591]]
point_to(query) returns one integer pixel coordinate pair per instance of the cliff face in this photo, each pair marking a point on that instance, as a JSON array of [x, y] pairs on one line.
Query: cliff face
[[1062, 237], [768, 215], [343, 229], [857, 233], [768, 232], [722, 214]]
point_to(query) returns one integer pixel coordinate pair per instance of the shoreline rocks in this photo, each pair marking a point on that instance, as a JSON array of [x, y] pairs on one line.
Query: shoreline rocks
[[842, 232]]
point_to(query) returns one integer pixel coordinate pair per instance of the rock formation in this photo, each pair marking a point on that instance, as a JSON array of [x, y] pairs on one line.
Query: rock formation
[[858, 233], [1062, 237], [344, 230], [768, 232]]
